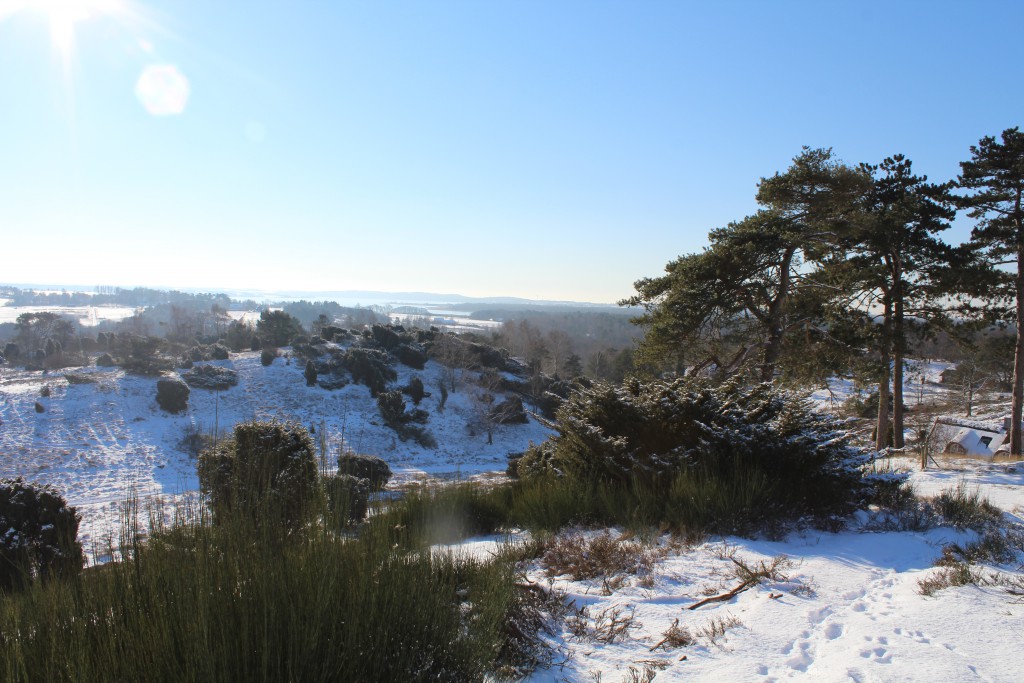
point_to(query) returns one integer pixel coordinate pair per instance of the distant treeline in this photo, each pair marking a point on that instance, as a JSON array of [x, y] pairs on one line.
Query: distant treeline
[[136, 296]]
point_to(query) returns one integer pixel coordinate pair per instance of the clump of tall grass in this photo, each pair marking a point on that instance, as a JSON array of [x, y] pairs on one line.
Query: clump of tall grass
[[230, 601]]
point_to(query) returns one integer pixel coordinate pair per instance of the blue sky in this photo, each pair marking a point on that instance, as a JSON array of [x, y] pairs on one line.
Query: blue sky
[[557, 150]]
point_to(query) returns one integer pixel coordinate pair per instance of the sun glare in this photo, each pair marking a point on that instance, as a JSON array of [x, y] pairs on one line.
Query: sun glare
[[62, 16]]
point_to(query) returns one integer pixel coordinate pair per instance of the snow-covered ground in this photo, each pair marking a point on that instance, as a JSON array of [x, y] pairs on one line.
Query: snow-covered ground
[[847, 608], [100, 442]]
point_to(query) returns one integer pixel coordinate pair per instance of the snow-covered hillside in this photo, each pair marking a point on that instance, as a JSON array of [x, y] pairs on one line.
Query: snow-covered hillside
[[98, 442]]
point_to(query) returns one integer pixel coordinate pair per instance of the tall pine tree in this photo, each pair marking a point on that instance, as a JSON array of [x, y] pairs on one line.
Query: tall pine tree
[[994, 179], [894, 263]]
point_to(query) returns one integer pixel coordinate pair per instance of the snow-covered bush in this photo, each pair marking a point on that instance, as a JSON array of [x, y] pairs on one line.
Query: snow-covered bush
[[369, 467], [172, 394], [38, 534], [211, 377], [266, 469], [689, 435], [509, 411]]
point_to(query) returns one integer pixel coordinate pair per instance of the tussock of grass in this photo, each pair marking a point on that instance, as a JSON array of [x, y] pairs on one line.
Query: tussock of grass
[[966, 509], [581, 558], [230, 602]]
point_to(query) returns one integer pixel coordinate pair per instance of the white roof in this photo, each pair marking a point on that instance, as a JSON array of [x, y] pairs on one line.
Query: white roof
[[977, 441]]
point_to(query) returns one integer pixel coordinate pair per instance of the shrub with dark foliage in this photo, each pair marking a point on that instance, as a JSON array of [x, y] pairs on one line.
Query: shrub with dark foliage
[[510, 411], [386, 336], [406, 424], [368, 467], [266, 471], [211, 377], [348, 497], [370, 367], [267, 356], [415, 390], [654, 432], [310, 374], [277, 328], [39, 536], [172, 394], [411, 355]]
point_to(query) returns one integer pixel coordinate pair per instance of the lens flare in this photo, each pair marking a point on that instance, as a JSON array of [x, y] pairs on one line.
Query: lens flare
[[162, 90]]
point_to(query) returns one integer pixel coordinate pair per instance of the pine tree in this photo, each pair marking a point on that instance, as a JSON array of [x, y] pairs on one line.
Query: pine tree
[[735, 300], [994, 176], [893, 260]]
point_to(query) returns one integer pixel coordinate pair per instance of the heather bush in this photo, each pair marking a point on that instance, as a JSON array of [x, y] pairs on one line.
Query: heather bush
[[172, 394], [211, 377], [264, 471], [369, 367], [40, 534], [369, 467], [415, 390], [411, 355]]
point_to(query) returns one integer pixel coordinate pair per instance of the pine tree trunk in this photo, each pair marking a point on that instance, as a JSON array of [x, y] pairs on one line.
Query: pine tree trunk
[[898, 351], [882, 425], [1017, 403], [777, 318]]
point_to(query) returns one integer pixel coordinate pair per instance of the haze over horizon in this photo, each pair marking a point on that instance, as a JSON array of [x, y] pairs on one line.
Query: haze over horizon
[[555, 152]]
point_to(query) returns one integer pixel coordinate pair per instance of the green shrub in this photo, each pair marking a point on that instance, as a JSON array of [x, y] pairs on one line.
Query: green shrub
[[310, 374], [386, 336], [265, 470], [172, 394], [369, 467], [369, 367], [40, 538], [405, 423], [210, 377], [415, 390], [267, 356], [410, 355], [723, 451]]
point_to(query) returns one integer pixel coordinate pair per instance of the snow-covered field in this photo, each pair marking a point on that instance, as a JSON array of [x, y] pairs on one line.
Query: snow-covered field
[[84, 315], [100, 442]]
